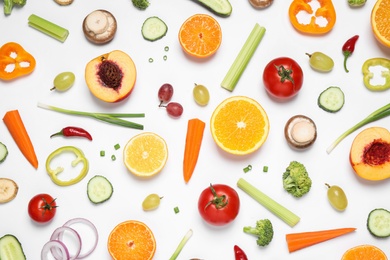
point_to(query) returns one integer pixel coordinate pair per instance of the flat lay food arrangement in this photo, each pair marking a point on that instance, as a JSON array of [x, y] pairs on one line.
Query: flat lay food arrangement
[[195, 129]]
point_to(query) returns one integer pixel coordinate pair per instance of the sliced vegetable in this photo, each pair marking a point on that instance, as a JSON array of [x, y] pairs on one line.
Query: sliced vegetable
[[53, 30], [154, 29], [297, 241], [195, 129], [331, 99], [54, 245], [260, 4], [8, 190], [71, 131], [80, 158], [111, 118], [280, 211], [55, 237], [374, 116], [16, 127], [182, 243], [99, 189], [222, 8], [11, 248], [378, 222], [248, 49], [15, 61], [368, 75], [176, 210], [3, 152]]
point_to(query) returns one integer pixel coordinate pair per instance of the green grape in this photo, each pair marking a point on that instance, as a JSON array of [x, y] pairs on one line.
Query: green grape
[[63, 81], [201, 95], [152, 201], [320, 61], [337, 197]]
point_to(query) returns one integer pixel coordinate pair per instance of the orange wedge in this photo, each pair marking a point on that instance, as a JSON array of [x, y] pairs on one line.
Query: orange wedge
[[380, 21], [364, 252], [131, 240], [200, 35], [239, 125], [145, 154]]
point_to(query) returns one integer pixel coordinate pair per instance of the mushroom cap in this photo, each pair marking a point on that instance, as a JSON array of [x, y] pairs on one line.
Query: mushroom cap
[[107, 35], [300, 132]]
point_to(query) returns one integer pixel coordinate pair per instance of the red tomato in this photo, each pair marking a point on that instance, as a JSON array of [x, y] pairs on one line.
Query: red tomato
[[42, 208], [283, 78], [219, 204]]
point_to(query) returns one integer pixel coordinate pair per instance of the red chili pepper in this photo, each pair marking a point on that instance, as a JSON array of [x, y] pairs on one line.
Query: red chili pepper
[[239, 253], [73, 131], [348, 48]]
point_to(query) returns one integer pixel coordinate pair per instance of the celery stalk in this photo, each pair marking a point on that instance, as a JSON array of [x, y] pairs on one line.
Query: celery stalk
[[48, 28], [280, 211], [243, 57]]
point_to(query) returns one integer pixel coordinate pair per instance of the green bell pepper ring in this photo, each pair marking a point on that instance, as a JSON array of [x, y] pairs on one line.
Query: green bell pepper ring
[[80, 158], [368, 75]]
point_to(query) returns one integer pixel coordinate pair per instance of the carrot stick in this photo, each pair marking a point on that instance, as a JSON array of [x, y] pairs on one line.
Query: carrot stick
[[15, 126], [195, 129], [296, 241]]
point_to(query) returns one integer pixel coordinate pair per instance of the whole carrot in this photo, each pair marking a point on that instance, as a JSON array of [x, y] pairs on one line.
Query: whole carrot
[[16, 127], [195, 129], [297, 241]]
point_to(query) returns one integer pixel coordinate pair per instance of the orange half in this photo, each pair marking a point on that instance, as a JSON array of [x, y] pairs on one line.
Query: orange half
[[364, 252], [380, 21]]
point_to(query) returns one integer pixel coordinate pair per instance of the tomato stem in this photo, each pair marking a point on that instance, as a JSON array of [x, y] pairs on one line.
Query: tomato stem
[[218, 201], [285, 74]]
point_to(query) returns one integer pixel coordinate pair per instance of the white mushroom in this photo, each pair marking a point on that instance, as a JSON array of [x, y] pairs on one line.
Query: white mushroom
[[260, 4], [300, 131], [99, 26]]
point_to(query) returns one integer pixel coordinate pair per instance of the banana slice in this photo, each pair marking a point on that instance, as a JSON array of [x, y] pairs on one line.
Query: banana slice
[[8, 190], [63, 2], [99, 26]]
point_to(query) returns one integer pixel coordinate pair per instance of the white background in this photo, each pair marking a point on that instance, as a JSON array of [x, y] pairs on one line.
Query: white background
[[214, 166]]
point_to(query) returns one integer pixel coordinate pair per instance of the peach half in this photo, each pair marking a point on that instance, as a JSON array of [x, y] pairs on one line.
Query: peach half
[[370, 154], [111, 77]]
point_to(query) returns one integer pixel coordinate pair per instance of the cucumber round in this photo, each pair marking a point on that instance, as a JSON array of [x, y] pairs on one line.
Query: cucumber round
[[331, 99], [154, 29], [99, 189], [378, 222]]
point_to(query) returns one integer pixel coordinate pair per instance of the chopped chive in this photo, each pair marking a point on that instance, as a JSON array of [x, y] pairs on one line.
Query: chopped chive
[[150, 60], [53, 30], [102, 153], [166, 48], [113, 157], [176, 209], [265, 168], [248, 168], [117, 146], [243, 57], [165, 57]]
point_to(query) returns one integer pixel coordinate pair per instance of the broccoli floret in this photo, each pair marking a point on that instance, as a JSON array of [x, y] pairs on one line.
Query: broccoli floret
[[296, 180], [141, 4], [263, 231], [9, 4]]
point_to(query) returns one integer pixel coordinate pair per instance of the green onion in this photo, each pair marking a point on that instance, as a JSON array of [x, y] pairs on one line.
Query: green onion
[[150, 60], [48, 28], [102, 153], [111, 118], [166, 48], [265, 168], [113, 157], [182, 243], [248, 168], [176, 210], [280, 211], [117, 146], [243, 57], [374, 116]]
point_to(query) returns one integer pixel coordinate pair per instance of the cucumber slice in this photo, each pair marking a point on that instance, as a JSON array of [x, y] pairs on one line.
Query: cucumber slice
[[99, 189], [11, 248], [219, 7], [378, 222], [3, 152], [331, 99], [154, 29]]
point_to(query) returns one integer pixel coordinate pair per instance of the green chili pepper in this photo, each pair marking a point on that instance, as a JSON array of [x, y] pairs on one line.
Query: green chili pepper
[[356, 3], [368, 75], [80, 158]]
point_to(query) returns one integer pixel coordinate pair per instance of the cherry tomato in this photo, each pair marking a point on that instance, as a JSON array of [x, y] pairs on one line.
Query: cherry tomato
[[219, 204], [42, 208], [283, 78]]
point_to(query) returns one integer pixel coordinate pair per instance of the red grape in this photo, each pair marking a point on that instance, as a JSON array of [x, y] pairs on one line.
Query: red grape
[[165, 93], [174, 109]]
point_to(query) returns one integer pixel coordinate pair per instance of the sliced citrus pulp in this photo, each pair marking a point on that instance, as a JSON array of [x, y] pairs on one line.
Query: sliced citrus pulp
[[145, 154], [200, 35], [239, 125], [364, 252], [131, 240], [380, 21]]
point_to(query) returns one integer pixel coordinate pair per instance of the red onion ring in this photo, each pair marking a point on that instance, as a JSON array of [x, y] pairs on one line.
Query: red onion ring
[[57, 236], [49, 246], [92, 226]]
